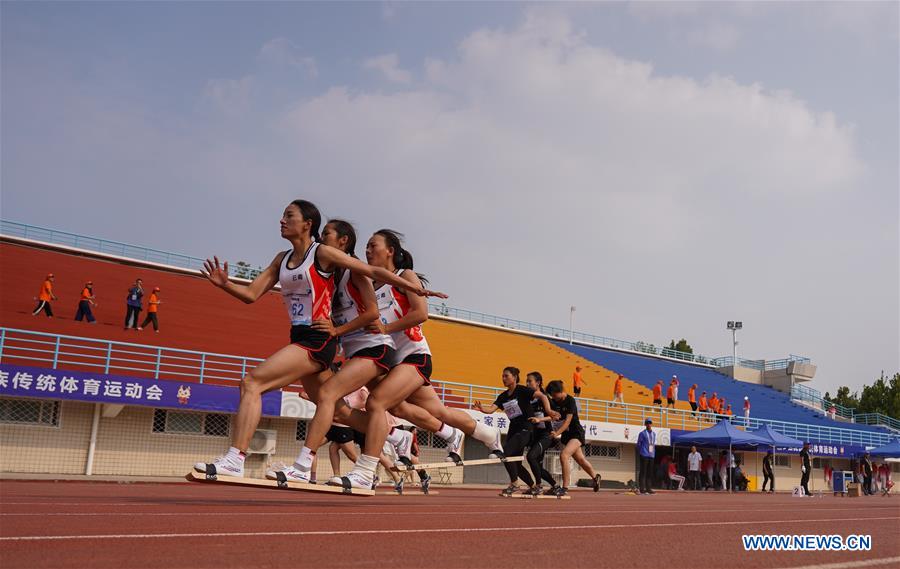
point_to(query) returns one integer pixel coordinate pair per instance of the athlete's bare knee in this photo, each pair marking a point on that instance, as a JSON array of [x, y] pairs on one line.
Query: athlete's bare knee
[[251, 385]]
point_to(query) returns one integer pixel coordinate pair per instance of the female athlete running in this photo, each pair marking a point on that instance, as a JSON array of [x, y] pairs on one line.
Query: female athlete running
[[569, 431], [408, 383], [541, 441], [305, 273]]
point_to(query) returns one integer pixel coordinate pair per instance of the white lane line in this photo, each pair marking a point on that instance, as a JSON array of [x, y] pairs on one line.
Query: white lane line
[[418, 530], [849, 564], [407, 513]]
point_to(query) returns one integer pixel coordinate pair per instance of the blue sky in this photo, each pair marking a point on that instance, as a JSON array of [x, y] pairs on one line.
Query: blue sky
[[663, 166]]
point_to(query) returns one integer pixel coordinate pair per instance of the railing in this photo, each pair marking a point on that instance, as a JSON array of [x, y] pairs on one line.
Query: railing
[[108, 247], [25, 347], [814, 398], [877, 419], [761, 365]]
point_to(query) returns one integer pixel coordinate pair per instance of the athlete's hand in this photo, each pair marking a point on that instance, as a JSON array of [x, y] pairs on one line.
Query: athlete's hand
[[323, 326], [376, 327], [217, 275], [426, 292], [535, 420], [555, 416], [477, 405]]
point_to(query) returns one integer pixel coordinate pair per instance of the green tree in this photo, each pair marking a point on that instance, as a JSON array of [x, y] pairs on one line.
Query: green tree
[[843, 397], [883, 396], [681, 346]]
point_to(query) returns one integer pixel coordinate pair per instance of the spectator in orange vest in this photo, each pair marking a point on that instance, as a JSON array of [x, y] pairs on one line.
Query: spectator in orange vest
[[670, 395], [692, 399], [618, 394], [722, 405], [44, 298], [714, 403], [85, 303], [577, 381], [703, 405], [728, 412], [657, 393], [152, 307]]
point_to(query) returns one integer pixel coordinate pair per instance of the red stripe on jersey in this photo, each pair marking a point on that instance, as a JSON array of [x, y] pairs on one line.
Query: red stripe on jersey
[[356, 296], [414, 333], [323, 290]]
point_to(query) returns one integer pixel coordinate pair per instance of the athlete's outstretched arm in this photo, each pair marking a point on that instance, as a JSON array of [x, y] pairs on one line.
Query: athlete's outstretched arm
[[546, 402], [339, 258], [264, 281], [417, 314], [483, 409], [364, 286]]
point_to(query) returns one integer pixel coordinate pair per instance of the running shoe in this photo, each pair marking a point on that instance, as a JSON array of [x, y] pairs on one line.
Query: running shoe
[[376, 480], [597, 483], [292, 473], [398, 486], [496, 447], [426, 483], [534, 491], [404, 447], [551, 491], [223, 466], [509, 490], [560, 491], [357, 480], [455, 443]]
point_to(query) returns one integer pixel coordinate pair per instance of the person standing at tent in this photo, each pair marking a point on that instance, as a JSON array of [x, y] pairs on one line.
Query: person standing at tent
[[723, 469], [694, 460], [646, 444], [708, 467], [768, 472], [805, 469], [867, 472], [746, 411]]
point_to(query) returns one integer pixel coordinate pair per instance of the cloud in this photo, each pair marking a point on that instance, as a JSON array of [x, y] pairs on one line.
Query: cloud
[[282, 51], [389, 67], [716, 35]]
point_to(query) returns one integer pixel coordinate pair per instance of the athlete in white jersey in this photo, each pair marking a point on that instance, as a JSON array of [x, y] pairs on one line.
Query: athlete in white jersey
[[305, 275], [408, 383]]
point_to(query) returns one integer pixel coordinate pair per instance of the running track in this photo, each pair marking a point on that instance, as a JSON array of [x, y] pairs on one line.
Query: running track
[[107, 525]]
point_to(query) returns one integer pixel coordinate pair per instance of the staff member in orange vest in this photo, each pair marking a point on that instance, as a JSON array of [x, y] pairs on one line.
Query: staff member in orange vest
[[85, 303], [44, 298], [714, 404], [657, 393], [618, 394], [152, 307], [577, 381], [692, 399], [670, 395]]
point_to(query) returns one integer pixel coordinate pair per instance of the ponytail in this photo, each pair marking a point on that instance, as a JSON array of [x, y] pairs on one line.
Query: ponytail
[[310, 213], [402, 258]]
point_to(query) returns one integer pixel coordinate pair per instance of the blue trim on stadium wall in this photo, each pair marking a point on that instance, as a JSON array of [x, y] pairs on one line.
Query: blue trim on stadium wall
[[816, 448], [44, 383]]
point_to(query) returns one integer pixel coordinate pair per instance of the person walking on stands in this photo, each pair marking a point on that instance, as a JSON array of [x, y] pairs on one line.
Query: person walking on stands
[[694, 460], [675, 384], [657, 393], [805, 469], [746, 411], [670, 395], [133, 304], [692, 399], [44, 298], [714, 405], [768, 472], [85, 303], [152, 308], [703, 404], [618, 394], [646, 444], [729, 413], [577, 382]]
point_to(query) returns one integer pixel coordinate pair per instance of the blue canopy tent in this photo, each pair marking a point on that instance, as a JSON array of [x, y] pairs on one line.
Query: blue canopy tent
[[890, 450], [776, 439], [720, 435]]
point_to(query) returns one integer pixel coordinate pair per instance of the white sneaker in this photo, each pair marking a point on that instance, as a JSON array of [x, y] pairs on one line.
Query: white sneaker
[[404, 447], [223, 466], [455, 443], [495, 447], [358, 480], [292, 473]]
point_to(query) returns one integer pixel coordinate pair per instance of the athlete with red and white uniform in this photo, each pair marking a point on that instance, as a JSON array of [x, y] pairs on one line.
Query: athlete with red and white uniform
[[305, 273], [368, 355], [408, 384]]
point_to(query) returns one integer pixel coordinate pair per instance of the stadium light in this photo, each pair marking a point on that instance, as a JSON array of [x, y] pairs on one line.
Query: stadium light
[[734, 326], [571, 324]]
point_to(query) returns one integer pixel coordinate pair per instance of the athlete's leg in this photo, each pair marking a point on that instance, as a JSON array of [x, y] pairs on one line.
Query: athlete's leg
[[427, 399], [349, 450], [354, 374], [579, 457], [335, 457], [535, 459]]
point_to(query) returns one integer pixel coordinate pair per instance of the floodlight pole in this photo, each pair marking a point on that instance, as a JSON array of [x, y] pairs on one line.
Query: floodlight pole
[[571, 324]]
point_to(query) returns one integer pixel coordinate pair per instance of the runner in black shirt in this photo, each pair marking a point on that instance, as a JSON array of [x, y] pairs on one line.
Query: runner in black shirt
[[569, 431], [540, 437], [516, 403]]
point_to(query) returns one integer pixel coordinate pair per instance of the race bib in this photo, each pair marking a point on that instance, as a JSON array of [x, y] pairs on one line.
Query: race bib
[[297, 308], [555, 425], [133, 297], [540, 415], [512, 409]]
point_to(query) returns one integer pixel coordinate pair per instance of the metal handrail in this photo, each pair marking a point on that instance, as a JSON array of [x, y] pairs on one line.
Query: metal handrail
[[453, 394]]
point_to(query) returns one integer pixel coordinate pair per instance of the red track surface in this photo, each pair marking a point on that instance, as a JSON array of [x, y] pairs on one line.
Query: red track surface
[[194, 525]]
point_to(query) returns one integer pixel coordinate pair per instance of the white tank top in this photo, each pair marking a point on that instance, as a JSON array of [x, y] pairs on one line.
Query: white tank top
[[406, 342], [348, 305], [306, 290]]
